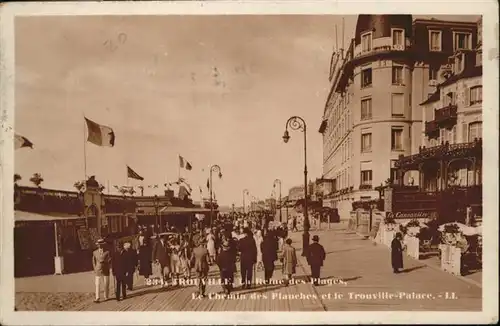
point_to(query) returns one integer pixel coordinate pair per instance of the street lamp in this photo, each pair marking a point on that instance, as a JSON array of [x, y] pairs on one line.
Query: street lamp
[[297, 123], [278, 181], [157, 216], [245, 192], [214, 168]]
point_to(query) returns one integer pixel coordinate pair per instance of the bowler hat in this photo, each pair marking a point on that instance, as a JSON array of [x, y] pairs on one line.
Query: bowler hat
[[101, 241], [315, 238]]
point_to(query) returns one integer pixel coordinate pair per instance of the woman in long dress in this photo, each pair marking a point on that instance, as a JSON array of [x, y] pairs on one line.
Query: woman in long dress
[[185, 257], [211, 246], [397, 252], [144, 252], [258, 241]]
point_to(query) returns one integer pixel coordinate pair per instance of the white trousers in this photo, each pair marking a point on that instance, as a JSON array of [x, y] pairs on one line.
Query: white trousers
[[98, 287]]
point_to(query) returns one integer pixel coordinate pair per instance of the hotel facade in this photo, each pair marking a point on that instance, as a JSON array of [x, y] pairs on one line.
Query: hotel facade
[[373, 114]]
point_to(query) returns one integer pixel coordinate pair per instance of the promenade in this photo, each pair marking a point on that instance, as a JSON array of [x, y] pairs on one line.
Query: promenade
[[358, 272]]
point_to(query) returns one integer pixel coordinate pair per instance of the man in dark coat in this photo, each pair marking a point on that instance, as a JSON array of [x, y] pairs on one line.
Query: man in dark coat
[[226, 261], [248, 257], [130, 261], [269, 249], [119, 267], [315, 257], [397, 253], [161, 256]]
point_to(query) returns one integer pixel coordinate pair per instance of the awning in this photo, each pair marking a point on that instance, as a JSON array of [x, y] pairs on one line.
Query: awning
[[183, 210], [20, 216]]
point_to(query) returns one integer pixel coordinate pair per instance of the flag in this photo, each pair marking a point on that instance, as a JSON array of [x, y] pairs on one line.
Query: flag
[[183, 163], [132, 174], [20, 142], [100, 135], [183, 193]]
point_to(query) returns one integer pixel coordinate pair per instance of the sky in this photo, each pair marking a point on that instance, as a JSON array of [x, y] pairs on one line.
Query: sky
[[214, 89]]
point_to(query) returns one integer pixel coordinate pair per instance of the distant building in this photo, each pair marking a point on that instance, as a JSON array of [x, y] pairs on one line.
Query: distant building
[[373, 114], [296, 193]]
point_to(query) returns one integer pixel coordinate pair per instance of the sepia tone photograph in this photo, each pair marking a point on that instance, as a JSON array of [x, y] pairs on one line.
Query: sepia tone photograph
[[247, 163]]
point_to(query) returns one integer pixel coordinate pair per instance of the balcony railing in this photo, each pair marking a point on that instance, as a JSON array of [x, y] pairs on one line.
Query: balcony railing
[[445, 114], [443, 151]]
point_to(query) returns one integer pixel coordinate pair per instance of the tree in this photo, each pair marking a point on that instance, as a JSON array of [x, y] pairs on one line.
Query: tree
[[17, 178], [36, 179], [101, 188], [80, 186]]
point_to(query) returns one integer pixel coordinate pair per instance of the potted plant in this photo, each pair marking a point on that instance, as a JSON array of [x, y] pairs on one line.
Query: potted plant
[[413, 228]]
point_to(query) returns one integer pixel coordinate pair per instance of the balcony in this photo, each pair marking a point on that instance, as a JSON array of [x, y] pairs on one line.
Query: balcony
[[365, 187], [432, 129], [446, 114], [444, 151]]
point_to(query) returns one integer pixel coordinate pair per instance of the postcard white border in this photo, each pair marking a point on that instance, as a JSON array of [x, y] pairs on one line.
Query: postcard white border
[[489, 10]]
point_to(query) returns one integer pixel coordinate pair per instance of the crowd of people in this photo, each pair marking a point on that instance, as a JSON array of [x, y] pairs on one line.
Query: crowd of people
[[252, 241]]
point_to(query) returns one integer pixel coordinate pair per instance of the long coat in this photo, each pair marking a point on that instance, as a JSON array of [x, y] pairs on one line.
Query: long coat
[[269, 248], [289, 259], [248, 250], [119, 263], [144, 253], [396, 254], [200, 256], [316, 254], [226, 261], [161, 252], [101, 262]]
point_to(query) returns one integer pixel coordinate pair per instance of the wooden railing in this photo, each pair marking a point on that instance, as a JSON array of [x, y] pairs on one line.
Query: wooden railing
[[445, 113]]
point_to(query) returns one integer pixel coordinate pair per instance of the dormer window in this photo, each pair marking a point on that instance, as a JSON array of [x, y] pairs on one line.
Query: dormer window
[[398, 38], [366, 42], [462, 41]]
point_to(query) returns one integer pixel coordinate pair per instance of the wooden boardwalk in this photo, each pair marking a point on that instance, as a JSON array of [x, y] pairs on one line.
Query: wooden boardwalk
[[360, 280]]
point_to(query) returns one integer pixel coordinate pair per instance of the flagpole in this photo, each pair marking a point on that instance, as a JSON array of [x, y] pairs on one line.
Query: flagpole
[[179, 168], [108, 186], [84, 148]]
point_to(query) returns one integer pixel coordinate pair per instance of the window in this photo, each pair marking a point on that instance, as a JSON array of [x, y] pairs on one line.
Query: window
[[397, 139], [366, 42], [476, 95], [435, 40], [366, 109], [397, 102], [366, 142], [397, 75], [366, 177], [398, 38], [475, 131], [450, 98], [461, 41], [433, 73], [366, 77]]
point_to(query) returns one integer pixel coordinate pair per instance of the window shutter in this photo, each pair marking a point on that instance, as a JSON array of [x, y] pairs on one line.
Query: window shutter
[[464, 133], [467, 96]]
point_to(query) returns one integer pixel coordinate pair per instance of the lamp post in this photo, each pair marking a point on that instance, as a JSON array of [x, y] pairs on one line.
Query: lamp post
[[297, 123], [214, 168], [278, 181], [245, 192], [157, 217]]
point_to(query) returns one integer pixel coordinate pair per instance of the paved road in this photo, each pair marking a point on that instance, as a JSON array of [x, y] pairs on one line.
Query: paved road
[[358, 273]]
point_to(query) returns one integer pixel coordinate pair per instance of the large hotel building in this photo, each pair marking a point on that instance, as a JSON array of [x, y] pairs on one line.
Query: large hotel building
[[374, 113]]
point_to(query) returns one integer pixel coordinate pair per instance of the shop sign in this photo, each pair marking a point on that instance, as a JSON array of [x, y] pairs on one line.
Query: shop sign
[[409, 215]]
